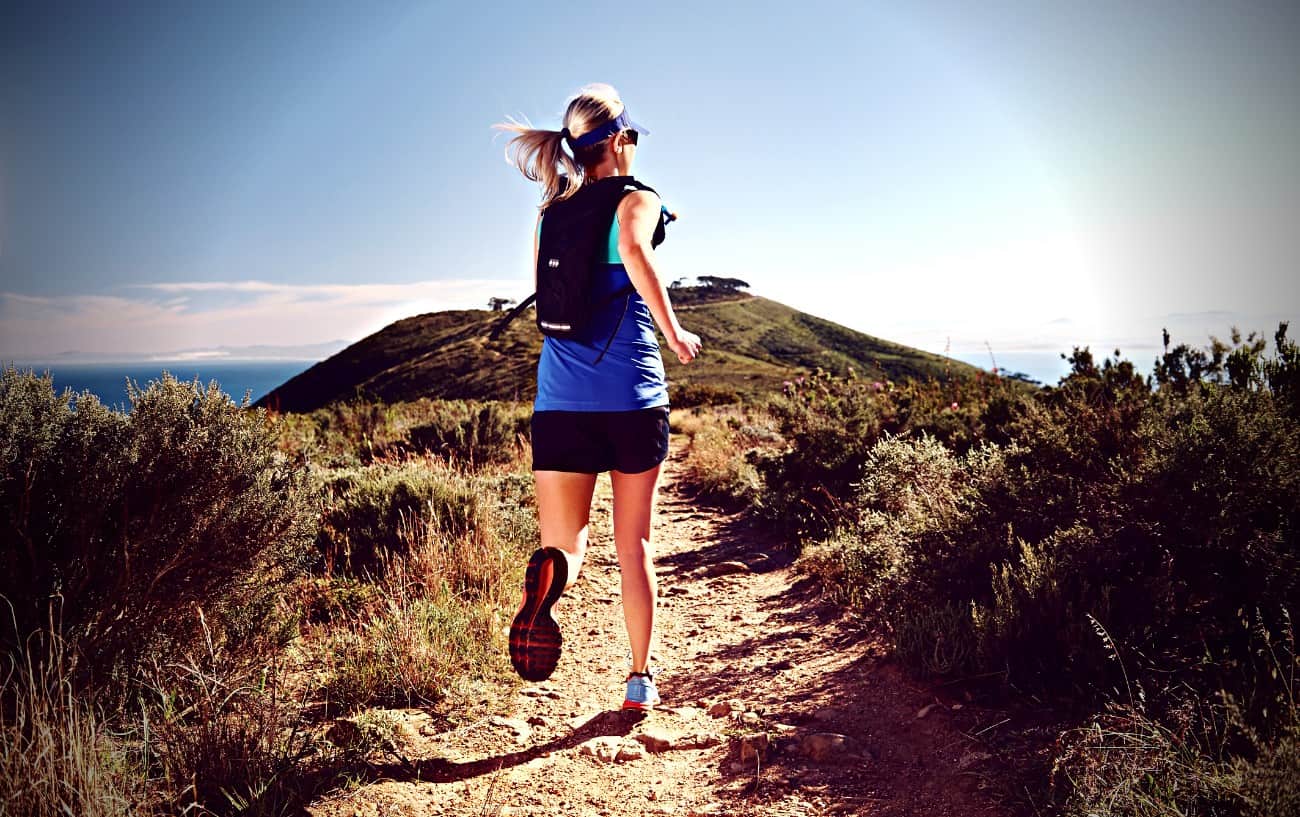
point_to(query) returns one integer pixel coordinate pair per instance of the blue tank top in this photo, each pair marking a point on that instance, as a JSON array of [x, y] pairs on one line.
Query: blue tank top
[[631, 374]]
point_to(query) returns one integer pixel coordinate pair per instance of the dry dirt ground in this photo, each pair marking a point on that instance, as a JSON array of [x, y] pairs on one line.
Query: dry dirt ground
[[773, 704]]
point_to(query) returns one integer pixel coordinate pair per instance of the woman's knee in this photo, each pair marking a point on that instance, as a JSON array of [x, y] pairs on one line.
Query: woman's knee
[[635, 550], [575, 545]]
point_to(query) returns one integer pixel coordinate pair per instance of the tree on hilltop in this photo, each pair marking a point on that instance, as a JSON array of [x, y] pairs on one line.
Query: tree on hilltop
[[727, 284]]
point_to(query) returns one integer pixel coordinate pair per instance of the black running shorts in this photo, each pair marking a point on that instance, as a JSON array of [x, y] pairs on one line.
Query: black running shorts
[[592, 442]]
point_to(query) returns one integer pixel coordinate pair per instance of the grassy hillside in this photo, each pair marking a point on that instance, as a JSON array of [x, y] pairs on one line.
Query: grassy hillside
[[751, 345]]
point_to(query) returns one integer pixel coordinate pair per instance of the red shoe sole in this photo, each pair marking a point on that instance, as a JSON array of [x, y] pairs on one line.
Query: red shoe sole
[[535, 639]]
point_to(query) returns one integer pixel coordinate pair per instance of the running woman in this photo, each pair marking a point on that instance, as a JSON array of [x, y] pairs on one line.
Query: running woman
[[602, 400]]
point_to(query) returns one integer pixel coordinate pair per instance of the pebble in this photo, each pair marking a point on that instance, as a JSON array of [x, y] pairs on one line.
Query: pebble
[[823, 745], [630, 751], [515, 725], [611, 750], [725, 569], [656, 739], [700, 740]]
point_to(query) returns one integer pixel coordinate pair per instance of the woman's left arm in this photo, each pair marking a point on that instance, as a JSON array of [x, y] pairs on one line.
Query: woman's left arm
[[638, 216]]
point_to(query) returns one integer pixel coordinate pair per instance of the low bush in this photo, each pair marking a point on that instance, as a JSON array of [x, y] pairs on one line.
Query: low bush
[[1111, 544], [690, 395], [366, 507], [432, 630], [830, 424], [224, 734], [1201, 757], [353, 433], [724, 447], [912, 537], [118, 526]]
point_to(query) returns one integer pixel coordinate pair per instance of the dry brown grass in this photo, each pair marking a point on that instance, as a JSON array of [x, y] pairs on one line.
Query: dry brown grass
[[59, 755], [723, 444]]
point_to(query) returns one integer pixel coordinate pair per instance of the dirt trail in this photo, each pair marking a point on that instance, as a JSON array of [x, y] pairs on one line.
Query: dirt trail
[[756, 641]]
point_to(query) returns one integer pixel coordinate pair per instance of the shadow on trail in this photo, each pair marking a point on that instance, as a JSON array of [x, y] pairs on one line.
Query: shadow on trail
[[802, 661], [735, 537], [611, 723], [797, 628]]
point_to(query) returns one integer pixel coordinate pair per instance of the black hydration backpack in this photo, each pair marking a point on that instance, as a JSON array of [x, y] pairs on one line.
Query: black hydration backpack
[[571, 252]]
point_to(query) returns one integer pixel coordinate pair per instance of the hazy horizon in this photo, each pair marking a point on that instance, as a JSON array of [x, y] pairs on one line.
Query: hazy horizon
[[1025, 177]]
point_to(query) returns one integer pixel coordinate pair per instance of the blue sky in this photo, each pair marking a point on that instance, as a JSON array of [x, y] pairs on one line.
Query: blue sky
[[1027, 176]]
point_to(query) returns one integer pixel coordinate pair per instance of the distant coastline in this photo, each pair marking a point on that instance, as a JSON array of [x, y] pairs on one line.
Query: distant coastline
[[1046, 367], [107, 379]]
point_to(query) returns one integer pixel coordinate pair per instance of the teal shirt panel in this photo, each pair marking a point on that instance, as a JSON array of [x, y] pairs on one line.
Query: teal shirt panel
[[611, 254]]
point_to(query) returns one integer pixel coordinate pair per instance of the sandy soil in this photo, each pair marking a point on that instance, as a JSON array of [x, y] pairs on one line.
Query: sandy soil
[[774, 704]]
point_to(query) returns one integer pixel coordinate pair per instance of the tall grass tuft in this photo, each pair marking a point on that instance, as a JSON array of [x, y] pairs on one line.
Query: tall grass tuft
[[430, 633], [224, 732], [60, 754]]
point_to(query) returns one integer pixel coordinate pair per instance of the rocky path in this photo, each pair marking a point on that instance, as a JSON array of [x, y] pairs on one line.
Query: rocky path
[[773, 705]]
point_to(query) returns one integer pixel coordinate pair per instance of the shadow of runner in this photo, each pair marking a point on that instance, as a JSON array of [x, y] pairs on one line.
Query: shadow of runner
[[610, 723]]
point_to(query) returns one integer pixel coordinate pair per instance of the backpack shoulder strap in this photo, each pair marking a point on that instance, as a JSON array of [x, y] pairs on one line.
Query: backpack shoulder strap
[[514, 313], [664, 216]]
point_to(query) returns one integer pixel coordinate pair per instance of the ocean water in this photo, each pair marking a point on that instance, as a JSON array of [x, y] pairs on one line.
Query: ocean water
[[1046, 367], [107, 381]]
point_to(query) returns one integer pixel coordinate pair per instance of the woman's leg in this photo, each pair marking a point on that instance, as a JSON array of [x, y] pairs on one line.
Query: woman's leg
[[563, 512], [634, 499]]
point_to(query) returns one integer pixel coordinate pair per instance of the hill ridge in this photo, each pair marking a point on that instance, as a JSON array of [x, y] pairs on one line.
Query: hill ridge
[[751, 345]]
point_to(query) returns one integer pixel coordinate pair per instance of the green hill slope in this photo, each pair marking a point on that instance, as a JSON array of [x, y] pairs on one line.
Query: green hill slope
[[751, 345]]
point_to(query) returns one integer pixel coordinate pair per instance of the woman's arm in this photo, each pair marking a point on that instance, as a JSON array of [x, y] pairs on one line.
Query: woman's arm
[[638, 216]]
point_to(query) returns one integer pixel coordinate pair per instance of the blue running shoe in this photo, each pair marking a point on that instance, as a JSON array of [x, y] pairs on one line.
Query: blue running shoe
[[641, 691]]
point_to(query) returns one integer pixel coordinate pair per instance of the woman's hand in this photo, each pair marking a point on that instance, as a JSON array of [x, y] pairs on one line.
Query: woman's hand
[[686, 345]]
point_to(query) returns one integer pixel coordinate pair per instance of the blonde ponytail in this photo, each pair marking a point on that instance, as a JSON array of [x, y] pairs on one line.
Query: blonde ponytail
[[539, 154]]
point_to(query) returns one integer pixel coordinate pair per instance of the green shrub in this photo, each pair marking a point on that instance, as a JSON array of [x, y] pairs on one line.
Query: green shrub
[[936, 640], [690, 395], [365, 507], [433, 629], [417, 616], [127, 522], [830, 425], [1114, 547], [720, 459], [356, 432], [910, 542], [469, 432], [1202, 756], [1126, 764]]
